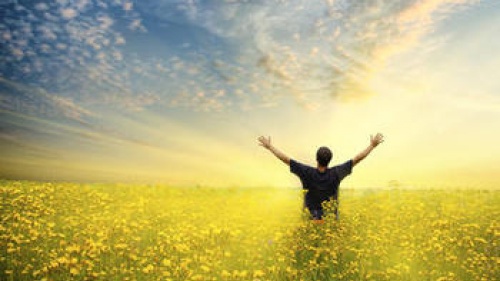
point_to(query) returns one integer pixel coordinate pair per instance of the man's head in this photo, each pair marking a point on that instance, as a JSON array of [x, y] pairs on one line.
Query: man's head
[[323, 156]]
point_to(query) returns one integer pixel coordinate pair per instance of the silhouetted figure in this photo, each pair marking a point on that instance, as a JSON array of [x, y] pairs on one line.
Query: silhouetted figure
[[321, 183]]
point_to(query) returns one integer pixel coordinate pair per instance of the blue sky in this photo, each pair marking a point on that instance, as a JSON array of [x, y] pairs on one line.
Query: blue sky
[[177, 91]]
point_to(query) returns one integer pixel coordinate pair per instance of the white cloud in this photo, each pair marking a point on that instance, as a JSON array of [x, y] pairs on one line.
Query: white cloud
[[41, 6], [127, 6], [136, 25], [119, 40], [18, 53], [69, 108], [105, 22], [6, 35], [81, 5], [68, 13], [47, 32]]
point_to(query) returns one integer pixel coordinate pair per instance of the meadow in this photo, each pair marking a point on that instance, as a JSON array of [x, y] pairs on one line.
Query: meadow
[[69, 231]]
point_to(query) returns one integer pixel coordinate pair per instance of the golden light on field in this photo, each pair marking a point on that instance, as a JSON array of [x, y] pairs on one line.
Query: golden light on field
[[153, 232]]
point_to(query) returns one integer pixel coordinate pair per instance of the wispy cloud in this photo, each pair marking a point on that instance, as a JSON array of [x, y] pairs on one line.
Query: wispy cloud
[[330, 48], [30, 113], [255, 53], [37, 102]]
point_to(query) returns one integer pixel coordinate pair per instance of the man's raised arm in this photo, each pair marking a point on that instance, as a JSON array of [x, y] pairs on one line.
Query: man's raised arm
[[266, 143], [374, 141]]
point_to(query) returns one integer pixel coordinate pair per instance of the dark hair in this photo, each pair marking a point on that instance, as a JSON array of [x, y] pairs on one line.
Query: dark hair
[[323, 156]]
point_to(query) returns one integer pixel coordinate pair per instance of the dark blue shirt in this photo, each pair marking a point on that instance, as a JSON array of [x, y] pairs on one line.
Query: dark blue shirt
[[320, 186]]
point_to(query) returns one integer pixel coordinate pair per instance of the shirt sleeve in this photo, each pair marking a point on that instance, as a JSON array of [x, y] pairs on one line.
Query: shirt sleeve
[[296, 167], [345, 169]]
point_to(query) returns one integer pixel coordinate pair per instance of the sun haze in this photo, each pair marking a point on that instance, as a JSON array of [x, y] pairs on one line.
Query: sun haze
[[178, 91]]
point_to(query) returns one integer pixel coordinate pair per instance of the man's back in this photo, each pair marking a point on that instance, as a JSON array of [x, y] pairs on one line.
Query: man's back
[[320, 185]]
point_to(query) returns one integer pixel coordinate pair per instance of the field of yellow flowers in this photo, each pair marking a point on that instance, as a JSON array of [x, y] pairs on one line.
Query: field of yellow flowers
[[66, 231]]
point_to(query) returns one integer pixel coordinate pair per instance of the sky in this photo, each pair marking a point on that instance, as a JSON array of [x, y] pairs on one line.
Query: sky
[[177, 92]]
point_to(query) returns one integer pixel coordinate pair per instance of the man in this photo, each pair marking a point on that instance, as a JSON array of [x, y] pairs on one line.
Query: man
[[321, 183]]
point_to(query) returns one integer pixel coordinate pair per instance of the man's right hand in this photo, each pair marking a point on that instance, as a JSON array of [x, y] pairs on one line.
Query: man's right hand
[[376, 140]]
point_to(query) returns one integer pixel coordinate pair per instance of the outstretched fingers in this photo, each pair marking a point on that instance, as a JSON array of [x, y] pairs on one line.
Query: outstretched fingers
[[380, 137], [377, 139], [265, 142]]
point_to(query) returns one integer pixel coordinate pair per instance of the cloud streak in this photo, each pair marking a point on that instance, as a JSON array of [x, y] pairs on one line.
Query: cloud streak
[[332, 47], [240, 55]]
